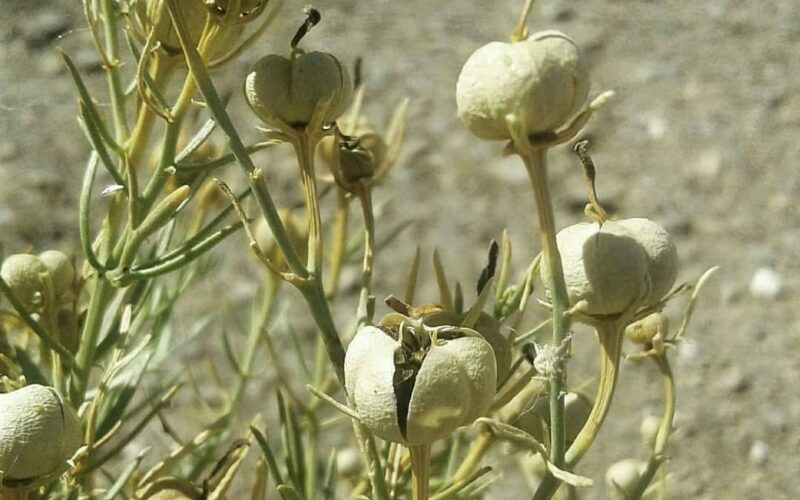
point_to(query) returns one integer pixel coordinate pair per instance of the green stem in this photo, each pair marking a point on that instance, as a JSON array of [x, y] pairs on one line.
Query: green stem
[[217, 110], [338, 243], [114, 85], [320, 309], [610, 337], [169, 144], [521, 31], [363, 313], [312, 290], [610, 351], [151, 270], [207, 166], [536, 165], [100, 294], [271, 286], [664, 430]]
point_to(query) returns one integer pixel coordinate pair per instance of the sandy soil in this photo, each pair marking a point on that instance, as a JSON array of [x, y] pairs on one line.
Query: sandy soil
[[701, 137]]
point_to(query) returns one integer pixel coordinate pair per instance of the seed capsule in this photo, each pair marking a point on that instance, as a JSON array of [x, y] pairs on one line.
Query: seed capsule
[[153, 15], [413, 388], [286, 91], [617, 266], [542, 81], [61, 270], [648, 431], [39, 431], [622, 476], [662, 256], [488, 328], [25, 274], [603, 266]]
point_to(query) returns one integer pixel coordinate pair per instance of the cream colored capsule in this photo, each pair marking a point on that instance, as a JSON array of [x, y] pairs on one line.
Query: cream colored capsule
[[662, 256], [488, 328], [542, 81], [604, 266], [454, 384], [39, 431], [286, 91], [616, 266]]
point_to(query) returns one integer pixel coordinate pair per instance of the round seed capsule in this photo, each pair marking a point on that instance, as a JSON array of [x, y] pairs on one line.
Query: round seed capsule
[[604, 266], [62, 273], [286, 91], [418, 396], [542, 81], [39, 431], [24, 273]]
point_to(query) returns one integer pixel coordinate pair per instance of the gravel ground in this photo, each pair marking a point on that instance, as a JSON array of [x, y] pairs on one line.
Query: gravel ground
[[701, 137]]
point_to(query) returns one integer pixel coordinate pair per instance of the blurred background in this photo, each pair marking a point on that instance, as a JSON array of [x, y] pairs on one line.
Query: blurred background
[[702, 137]]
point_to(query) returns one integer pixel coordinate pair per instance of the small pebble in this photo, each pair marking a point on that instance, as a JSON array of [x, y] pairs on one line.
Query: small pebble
[[776, 422], [687, 351], [730, 292], [759, 453], [676, 221], [734, 381], [766, 283], [656, 127], [557, 11], [708, 164]]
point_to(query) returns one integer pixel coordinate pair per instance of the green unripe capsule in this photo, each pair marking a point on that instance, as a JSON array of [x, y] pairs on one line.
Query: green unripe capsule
[[286, 91], [154, 16], [25, 275], [62, 273], [645, 330]]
